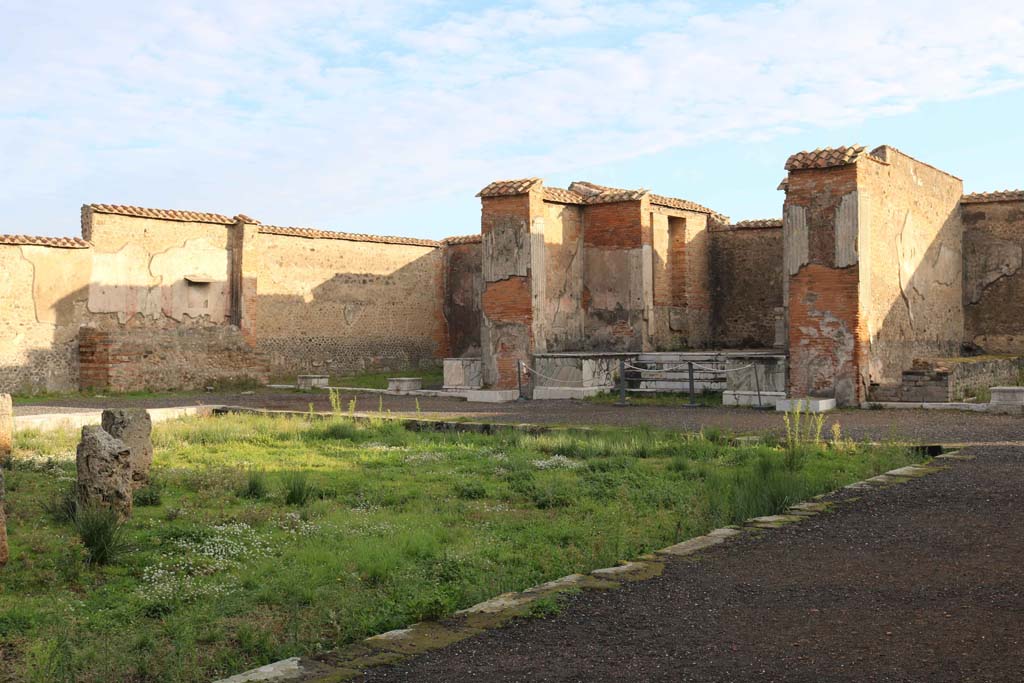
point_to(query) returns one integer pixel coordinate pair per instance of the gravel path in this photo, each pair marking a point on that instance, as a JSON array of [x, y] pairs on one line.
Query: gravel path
[[918, 582], [924, 426]]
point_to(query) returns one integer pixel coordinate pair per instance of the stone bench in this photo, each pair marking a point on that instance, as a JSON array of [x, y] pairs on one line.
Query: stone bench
[[403, 385], [1007, 399]]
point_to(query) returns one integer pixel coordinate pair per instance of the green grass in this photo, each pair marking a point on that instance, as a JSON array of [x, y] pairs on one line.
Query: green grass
[[273, 537], [670, 399], [51, 397], [432, 379]]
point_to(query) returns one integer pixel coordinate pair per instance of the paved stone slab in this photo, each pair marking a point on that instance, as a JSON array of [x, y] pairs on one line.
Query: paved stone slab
[[420, 637], [692, 546], [291, 669], [630, 571], [773, 521]]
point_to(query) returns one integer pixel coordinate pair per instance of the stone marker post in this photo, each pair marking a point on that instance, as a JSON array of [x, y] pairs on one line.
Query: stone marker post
[[135, 429], [6, 445], [104, 472]]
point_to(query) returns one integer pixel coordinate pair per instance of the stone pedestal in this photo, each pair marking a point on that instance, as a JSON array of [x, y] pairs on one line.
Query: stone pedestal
[[463, 373], [104, 472], [1007, 399], [135, 429], [807, 405], [308, 382], [404, 385]]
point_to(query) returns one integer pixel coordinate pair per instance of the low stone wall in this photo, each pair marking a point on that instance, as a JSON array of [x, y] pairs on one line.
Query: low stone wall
[[162, 360], [951, 379]]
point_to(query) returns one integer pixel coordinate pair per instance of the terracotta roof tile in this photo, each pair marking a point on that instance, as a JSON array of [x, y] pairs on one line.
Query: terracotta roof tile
[[784, 185], [558, 195], [59, 242], [507, 188], [997, 196], [313, 233], [463, 239], [759, 223], [163, 214], [593, 193], [828, 157]]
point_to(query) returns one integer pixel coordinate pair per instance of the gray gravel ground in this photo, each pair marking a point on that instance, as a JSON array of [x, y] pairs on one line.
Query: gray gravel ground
[[922, 581], [925, 426]]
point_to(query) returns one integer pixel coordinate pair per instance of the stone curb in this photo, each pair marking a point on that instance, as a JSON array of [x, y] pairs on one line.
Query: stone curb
[[393, 646]]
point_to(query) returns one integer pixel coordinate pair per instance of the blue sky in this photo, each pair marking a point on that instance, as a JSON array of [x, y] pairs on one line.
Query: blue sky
[[386, 117]]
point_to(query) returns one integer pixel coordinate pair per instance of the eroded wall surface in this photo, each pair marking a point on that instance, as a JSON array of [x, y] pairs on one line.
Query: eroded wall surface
[[679, 316], [463, 289], [994, 274], [821, 288], [614, 272], [563, 293], [334, 306], [911, 261], [44, 291], [746, 285]]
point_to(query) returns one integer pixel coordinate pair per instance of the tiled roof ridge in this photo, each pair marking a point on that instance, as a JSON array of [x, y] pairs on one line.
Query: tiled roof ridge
[[162, 214], [563, 196], [993, 196], [759, 223], [593, 193], [36, 240], [463, 239], [508, 188], [828, 157], [315, 233]]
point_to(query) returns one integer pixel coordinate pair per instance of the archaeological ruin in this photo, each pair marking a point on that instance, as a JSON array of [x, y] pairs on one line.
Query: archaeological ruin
[[881, 281]]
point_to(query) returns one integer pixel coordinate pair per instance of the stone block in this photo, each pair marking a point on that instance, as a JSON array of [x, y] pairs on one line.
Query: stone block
[[1007, 396], [492, 395], [135, 429], [555, 393], [807, 405], [104, 471], [404, 385], [308, 382], [767, 399], [463, 373]]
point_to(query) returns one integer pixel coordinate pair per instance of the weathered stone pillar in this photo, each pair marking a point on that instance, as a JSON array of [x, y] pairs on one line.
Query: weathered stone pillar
[[244, 273], [6, 447], [822, 278], [512, 225], [104, 471], [134, 427]]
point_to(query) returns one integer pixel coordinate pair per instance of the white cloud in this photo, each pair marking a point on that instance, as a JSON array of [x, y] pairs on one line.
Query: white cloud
[[299, 112]]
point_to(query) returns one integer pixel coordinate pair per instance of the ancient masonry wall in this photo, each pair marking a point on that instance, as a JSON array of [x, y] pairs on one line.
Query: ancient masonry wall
[[910, 245], [44, 286], [340, 306], [563, 291], [826, 339], [513, 272], [994, 271], [746, 283], [463, 289], [680, 313], [613, 276]]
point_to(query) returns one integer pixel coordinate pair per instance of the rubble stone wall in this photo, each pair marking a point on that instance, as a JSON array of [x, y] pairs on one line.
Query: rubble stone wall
[[746, 285], [994, 274]]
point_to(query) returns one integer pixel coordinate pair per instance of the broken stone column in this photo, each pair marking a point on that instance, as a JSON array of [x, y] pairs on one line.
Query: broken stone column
[[104, 471], [135, 429], [6, 443]]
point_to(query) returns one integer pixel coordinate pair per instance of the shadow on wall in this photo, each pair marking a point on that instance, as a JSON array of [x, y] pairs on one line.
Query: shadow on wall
[[359, 321]]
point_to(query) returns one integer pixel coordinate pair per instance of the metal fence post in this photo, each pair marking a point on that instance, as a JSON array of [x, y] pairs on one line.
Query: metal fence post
[[519, 377], [622, 382], [693, 395]]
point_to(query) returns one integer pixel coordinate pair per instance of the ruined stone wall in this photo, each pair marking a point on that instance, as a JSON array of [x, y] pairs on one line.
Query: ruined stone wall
[[613, 276], [43, 290], [680, 313], [513, 270], [160, 298], [338, 306], [821, 289], [563, 293], [746, 285], [910, 248], [463, 289], [994, 273]]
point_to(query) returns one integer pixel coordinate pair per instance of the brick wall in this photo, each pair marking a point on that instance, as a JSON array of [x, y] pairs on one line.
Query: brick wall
[[613, 276], [994, 274], [746, 285]]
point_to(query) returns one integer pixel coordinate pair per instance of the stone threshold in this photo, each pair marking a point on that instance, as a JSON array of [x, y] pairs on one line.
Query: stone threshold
[[391, 647]]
